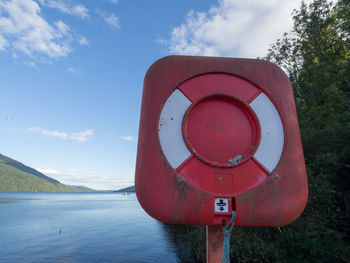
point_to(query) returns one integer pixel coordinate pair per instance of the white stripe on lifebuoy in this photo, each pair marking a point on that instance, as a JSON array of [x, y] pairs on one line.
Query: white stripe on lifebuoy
[[170, 133], [272, 135]]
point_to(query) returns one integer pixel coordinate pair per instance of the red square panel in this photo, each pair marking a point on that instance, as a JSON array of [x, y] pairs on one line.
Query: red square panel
[[217, 135]]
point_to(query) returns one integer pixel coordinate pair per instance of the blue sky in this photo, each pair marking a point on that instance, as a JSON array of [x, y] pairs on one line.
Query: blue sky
[[72, 73]]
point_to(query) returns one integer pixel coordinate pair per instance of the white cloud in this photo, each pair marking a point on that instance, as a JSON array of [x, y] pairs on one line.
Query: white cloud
[[77, 137], [80, 136], [23, 28], [30, 64], [48, 171], [80, 10], [233, 28], [68, 8], [62, 27], [127, 138], [113, 1], [3, 43], [74, 70], [94, 182], [83, 41], [112, 20]]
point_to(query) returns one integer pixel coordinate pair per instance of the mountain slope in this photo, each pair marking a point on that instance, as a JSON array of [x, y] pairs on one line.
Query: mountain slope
[[17, 177], [20, 166]]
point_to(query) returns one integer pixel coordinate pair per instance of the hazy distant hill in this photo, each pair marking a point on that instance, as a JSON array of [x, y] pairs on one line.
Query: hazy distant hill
[[127, 189], [17, 177], [77, 188]]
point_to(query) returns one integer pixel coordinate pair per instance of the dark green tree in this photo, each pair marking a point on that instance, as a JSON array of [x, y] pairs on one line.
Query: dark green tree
[[316, 57]]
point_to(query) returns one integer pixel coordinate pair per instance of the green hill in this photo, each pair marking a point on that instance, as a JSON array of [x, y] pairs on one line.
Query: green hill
[[17, 177]]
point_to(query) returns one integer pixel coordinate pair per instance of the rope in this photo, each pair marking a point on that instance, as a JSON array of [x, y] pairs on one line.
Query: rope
[[227, 233]]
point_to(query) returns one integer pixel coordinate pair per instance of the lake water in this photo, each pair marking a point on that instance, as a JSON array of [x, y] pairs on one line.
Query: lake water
[[84, 227]]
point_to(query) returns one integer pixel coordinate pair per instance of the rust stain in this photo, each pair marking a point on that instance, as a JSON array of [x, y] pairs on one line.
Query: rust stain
[[183, 193], [180, 178]]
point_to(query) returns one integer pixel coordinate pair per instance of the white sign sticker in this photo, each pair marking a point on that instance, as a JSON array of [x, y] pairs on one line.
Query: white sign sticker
[[221, 205]]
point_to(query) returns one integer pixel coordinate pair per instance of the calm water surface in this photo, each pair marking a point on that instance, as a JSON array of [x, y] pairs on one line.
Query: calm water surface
[[84, 227]]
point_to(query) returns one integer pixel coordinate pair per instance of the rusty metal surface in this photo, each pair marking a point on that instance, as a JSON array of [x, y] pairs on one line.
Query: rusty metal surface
[[186, 195]]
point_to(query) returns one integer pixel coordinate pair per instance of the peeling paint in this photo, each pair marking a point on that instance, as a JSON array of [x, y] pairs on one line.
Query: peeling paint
[[276, 177], [180, 178], [236, 160]]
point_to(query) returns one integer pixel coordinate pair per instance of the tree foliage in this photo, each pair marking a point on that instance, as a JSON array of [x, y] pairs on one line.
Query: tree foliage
[[316, 57]]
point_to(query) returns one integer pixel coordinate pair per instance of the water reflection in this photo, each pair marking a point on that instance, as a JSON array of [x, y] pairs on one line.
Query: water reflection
[[176, 235], [89, 227]]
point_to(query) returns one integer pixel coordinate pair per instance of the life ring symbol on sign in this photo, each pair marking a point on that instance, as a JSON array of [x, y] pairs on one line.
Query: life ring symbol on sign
[[206, 124]]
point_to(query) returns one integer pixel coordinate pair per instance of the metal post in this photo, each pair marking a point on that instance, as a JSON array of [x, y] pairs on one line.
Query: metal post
[[215, 243]]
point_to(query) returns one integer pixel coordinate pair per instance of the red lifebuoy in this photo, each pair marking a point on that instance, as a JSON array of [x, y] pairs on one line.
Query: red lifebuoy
[[217, 121]]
